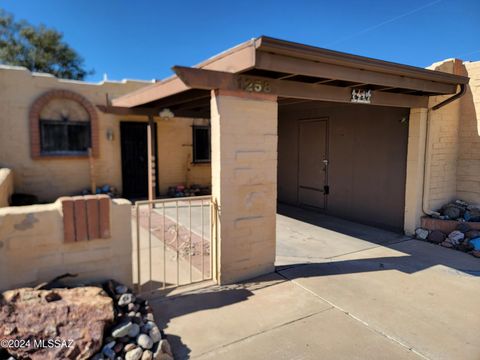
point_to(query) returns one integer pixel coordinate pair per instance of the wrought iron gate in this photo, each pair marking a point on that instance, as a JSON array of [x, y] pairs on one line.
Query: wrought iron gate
[[174, 242]]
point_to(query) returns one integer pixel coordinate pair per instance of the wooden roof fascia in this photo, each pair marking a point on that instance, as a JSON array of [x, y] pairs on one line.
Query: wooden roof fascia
[[151, 93], [239, 58], [282, 63], [207, 79], [302, 51]]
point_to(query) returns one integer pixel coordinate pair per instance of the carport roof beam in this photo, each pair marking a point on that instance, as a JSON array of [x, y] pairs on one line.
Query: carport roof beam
[[289, 65]]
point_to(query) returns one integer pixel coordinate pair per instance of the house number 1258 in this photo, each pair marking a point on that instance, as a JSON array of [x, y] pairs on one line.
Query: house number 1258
[[253, 85]]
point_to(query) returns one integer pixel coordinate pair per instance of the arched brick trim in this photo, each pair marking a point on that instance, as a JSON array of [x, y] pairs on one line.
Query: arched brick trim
[[34, 118]]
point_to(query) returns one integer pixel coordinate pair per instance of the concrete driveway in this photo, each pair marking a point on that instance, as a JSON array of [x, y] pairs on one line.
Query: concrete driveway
[[341, 291]]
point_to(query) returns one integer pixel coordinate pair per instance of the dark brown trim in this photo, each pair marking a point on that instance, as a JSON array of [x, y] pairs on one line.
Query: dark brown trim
[[302, 51], [287, 64], [289, 59], [206, 79]]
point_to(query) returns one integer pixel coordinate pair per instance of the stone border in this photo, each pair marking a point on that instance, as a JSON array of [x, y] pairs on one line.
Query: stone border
[[34, 118]]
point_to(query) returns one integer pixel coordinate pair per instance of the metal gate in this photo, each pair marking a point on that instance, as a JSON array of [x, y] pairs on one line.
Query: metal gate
[[174, 242]]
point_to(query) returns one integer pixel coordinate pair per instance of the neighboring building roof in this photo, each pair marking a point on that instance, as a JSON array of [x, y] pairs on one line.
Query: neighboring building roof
[[275, 59]]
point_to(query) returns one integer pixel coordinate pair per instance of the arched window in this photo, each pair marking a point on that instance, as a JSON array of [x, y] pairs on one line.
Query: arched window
[[63, 123]]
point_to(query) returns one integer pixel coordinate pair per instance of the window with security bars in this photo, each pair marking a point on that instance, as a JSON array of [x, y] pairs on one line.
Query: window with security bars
[[65, 137], [201, 144]]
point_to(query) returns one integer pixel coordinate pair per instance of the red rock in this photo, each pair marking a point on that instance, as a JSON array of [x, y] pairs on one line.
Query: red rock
[[74, 318]]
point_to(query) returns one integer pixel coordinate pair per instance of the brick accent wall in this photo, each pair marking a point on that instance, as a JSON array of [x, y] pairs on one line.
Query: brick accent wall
[[86, 217], [34, 118]]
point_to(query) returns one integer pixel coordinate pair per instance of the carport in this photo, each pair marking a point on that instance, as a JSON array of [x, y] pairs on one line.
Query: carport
[[346, 133]]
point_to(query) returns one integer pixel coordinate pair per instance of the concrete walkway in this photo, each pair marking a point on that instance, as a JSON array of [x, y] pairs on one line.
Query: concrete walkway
[[341, 291]]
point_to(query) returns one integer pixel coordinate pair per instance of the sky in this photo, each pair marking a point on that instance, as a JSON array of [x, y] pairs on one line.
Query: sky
[[143, 39]]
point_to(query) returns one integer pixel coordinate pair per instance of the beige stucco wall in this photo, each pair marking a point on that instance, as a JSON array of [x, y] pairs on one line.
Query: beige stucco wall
[[442, 146], [453, 160], [6, 186], [175, 154], [50, 178], [468, 162], [244, 184], [40, 227]]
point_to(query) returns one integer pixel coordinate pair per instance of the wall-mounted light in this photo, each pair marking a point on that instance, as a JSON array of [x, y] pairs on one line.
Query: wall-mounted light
[[166, 114], [109, 134]]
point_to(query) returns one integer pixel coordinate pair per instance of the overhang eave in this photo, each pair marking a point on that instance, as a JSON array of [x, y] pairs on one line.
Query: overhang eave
[[295, 64]]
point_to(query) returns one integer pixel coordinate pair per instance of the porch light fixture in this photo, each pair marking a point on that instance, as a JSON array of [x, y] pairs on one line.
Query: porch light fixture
[[109, 134], [166, 114]]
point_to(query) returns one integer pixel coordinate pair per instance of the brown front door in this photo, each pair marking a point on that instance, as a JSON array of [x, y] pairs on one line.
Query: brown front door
[[312, 163]]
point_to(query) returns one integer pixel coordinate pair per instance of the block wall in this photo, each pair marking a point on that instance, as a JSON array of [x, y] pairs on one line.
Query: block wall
[[468, 163], [244, 183], [6, 186], [33, 250]]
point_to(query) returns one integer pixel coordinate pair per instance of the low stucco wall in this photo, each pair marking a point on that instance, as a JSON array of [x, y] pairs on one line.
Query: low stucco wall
[[6, 186], [32, 247]]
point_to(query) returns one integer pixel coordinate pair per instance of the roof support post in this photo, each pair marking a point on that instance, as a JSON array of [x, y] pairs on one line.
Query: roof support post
[[151, 158], [244, 183]]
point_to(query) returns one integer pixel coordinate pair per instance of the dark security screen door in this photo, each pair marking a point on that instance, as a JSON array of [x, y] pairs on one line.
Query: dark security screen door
[[312, 170], [135, 159]]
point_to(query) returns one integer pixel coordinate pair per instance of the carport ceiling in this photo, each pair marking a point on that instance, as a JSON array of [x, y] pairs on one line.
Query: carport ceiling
[[293, 71]]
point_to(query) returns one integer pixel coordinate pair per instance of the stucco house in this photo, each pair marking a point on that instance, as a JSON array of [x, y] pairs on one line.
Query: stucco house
[[268, 120]]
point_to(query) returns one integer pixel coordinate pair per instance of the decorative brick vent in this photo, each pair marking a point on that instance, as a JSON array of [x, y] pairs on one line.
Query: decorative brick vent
[[34, 119], [86, 217]]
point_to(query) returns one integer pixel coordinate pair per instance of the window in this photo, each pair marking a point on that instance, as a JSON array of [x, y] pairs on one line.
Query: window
[[63, 124], [64, 137], [201, 144]]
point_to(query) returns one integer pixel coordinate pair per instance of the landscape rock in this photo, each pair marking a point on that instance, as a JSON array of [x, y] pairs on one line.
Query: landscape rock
[[436, 237], [463, 227], [155, 334], [163, 356], [135, 354], [452, 211], [122, 329], [147, 355], [129, 347], [134, 331], [118, 347], [148, 326], [164, 346], [108, 352], [144, 341], [455, 237], [126, 299], [121, 289], [421, 233], [83, 313]]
